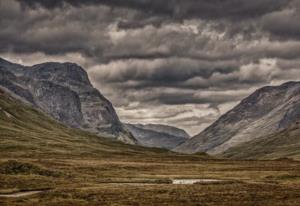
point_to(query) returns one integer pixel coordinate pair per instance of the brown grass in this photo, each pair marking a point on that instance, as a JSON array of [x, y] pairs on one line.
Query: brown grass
[[147, 182], [37, 153]]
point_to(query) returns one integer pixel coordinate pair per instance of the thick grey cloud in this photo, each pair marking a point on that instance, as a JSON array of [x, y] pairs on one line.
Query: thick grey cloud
[[283, 24], [178, 8], [173, 62]]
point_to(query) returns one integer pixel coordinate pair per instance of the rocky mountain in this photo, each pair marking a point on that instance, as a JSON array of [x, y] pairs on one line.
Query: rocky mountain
[[160, 136], [282, 144], [265, 112], [63, 91], [27, 132]]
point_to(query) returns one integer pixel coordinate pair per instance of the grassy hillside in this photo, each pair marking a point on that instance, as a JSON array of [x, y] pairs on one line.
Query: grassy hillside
[[71, 167], [284, 144], [27, 132]]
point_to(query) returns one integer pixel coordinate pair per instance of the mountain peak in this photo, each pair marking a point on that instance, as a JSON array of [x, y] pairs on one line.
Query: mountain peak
[[60, 72], [3, 60]]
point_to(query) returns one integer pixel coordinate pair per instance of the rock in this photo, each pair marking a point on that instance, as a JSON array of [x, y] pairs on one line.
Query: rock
[[64, 91]]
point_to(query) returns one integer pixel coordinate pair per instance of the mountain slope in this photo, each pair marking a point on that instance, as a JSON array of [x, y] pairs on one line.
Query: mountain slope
[[160, 136], [27, 132], [63, 90], [283, 144], [266, 111]]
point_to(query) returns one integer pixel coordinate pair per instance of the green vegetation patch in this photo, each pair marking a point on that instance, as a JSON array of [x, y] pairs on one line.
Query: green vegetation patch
[[13, 167]]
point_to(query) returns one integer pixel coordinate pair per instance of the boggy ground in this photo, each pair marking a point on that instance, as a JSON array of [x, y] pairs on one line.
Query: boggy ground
[[146, 181]]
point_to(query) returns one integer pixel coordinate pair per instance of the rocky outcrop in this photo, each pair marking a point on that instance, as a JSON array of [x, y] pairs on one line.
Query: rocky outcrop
[[266, 111], [63, 91], [159, 136]]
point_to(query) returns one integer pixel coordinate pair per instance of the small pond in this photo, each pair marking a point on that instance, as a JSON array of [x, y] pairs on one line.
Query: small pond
[[194, 181]]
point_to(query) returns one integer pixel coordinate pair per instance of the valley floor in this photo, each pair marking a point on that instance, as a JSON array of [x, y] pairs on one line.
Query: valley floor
[[45, 163], [147, 181]]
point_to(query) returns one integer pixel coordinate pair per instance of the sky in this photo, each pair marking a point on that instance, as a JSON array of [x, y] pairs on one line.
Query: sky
[[177, 62]]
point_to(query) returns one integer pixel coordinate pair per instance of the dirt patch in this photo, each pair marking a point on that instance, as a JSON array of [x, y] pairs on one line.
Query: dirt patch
[[20, 194], [8, 115]]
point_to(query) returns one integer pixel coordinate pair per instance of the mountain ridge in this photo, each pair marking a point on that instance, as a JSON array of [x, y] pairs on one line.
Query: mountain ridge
[[155, 135]]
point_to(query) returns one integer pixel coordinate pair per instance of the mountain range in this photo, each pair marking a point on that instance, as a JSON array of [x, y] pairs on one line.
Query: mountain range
[[161, 136], [263, 125], [64, 91], [27, 132]]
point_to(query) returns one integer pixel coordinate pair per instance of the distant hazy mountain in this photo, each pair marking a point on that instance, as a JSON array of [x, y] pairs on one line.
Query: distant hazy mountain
[[266, 111], [63, 90], [161, 136]]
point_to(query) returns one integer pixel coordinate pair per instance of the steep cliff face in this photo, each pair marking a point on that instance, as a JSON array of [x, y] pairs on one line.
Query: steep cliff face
[[160, 136], [266, 111], [58, 101], [63, 90]]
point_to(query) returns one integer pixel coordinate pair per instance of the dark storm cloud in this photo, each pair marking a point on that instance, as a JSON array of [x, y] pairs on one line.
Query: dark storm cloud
[[184, 73], [54, 32], [85, 30], [179, 8], [165, 71], [182, 62], [283, 24], [190, 98]]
